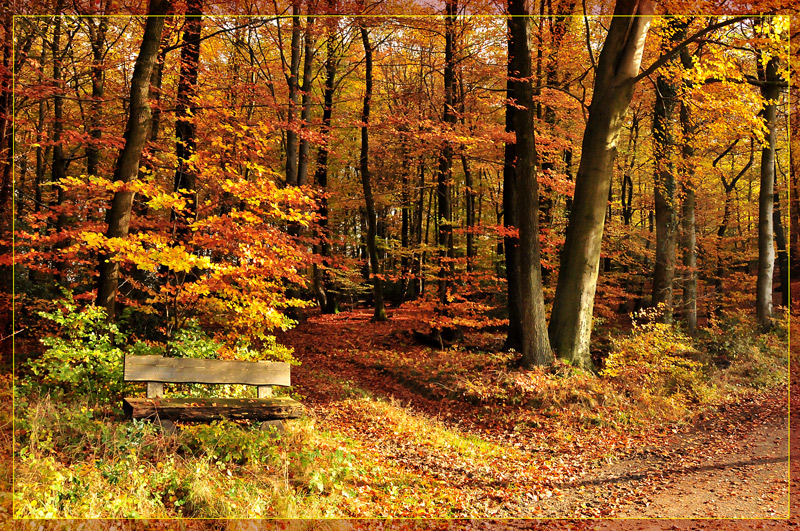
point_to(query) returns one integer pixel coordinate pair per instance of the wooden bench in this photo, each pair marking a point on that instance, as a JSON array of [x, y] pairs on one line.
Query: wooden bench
[[158, 370]]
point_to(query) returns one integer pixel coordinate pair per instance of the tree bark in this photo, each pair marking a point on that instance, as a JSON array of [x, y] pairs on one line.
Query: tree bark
[[689, 225], [127, 166], [97, 38], [291, 80], [305, 112], [665, 200], [444, 177], [770, 91], [326, 295], [783, 256], [469, 192], [618, 65], [372, 221], [522, 193], [185, 135]]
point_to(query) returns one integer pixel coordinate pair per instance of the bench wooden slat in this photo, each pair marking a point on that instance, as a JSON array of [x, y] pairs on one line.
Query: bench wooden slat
[[208, 409], [193, 370]]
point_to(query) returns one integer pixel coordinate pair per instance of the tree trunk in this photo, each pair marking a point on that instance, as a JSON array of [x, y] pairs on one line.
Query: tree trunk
[[444, 177], [405, 222], [97, 40], [185, 136], [689, 225], [525, 288], [419, 261], [59, 168], [469, 192], [770, 91], [326, 296], [794, 206], [783, 256], [127, 166], [40, 135], [665, 200], [305, 112], [372, 222], [689, 259], [7, 178], [618, 65], [291, 80]]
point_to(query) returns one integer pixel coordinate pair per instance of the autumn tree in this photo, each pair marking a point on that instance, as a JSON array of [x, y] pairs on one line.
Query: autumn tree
[[127, 166], [770, 91], [527, 321], [185, 135], [617, 68], [369, 201]]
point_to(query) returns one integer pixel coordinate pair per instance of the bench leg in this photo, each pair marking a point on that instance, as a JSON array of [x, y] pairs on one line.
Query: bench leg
[[167, 426], [275, 426]]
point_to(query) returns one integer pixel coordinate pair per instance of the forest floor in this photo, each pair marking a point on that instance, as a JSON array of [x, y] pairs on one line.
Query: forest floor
[[457, 458]]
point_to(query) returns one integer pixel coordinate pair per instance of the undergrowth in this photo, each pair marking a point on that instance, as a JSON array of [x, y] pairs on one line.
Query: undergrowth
[[656, 371], [76, 463], [76, 457]]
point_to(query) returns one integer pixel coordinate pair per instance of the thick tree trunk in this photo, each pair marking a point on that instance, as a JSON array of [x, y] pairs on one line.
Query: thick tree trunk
[[185, 136], [127, 166], [525, 288], [665, 198], [770, 91], [372, 221], [618, 65]]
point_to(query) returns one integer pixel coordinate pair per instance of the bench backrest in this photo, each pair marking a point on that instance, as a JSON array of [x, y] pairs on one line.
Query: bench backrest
[[157, 370]]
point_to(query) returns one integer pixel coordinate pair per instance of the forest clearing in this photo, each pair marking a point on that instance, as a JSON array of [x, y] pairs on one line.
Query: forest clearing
[[480, 264]]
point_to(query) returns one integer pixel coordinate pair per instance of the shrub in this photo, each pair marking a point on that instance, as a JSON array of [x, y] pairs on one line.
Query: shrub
[[85, 360], [656, 359], [226, 441]]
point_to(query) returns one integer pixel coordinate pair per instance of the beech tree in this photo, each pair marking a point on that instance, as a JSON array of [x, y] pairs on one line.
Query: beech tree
[[770, 91], [617, 69], [127, 166], [369, 201], [417, 165], [527, 320]]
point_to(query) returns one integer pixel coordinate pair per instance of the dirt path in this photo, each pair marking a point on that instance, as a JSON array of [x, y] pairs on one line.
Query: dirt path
[[698, 475], [733, 465]]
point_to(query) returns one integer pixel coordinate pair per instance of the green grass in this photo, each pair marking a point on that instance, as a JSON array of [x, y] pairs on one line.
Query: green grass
[[72, 464]]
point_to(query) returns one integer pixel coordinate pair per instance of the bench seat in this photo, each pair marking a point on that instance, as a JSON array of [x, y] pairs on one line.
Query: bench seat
[[208, 409]]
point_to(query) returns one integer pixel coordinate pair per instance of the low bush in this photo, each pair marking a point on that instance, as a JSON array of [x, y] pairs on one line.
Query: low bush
[[657, 359]]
